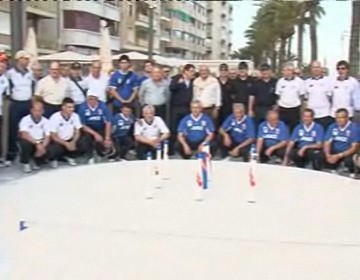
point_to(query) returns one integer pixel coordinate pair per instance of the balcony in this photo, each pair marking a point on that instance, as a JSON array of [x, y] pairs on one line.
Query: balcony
[[165, 36], [47, 9], [142, 20], [90, 39], [4, 6], [165, 15], [142, 42], [46, 42], [176, 43]]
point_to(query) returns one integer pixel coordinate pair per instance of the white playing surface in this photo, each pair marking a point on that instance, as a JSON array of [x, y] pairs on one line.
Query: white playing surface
[[93, 222]]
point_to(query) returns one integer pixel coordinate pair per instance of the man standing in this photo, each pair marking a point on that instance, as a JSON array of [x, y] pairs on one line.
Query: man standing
[[96, 121], [148, 67], [150, 131], [123, 84], [238, 133], [290, 90], [343, 89], [122, 125], [341, 142], [65, 128], [78, 87], [155, 91], [21, 86], [306, 143], [195, 131], [262, 95], [207, 90], [243, 85], [53, 89], [227, 93], [181, 88], [97, 82], [4, 90], [233, 73], [34, 137], [318, 95], [273, 136]]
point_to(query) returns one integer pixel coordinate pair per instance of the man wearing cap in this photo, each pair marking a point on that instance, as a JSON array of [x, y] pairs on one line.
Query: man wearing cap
[[318, 95], [78, 87], [97, 82], [207, 90], [291, 90], [227, 92], [53, 89], [96, 120], [123, 84], [242, 86], [21, 86], [262, 95]]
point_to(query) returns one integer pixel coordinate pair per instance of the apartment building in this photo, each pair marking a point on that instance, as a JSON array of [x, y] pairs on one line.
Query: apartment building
[[62, 24], [219, 29]]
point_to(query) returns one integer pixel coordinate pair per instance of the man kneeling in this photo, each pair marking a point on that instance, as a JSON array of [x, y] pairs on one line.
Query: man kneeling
[[306, 143], [238, 133], [65, 133], [195, 131], [34, 137], [272, 137]]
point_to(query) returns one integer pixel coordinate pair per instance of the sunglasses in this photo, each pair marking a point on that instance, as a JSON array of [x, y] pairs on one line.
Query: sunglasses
[[341, 68]]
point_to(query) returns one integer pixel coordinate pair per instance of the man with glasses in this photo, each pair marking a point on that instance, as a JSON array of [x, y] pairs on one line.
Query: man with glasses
[[343, 89], [318, 95], [341, 142], [123, 84], [97, 82], [53, 89]]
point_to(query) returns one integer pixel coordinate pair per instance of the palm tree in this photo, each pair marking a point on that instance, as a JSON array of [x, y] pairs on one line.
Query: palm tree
[[354, 52], [315, 12], [300, 32]]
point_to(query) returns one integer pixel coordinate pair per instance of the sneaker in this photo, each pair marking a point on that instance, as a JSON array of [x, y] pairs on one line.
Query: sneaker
[[26, 168], [35, 167], [91, 161], [54, 164], [70, 161], [352, 175], [8, 163], [227, 159]]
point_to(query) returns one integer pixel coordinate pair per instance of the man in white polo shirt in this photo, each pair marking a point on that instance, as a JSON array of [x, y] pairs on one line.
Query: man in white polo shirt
[[53, 89], [290, 90], [97, 82], [150, 131], [343, 88], [78, 87], [21, 86], [65, 133], [318, 92], [34, 137]]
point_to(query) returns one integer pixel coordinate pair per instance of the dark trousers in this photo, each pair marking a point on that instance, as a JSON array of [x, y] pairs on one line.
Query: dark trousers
[[314, 156], [122, 145], [280, 153], [58, 151], [176, 115], [160, 110], [291, 116], [194, 148], [27, 152], [325, 121], [17, 110], [348, 162], [244, 152], [143, 149], [88, 145], [50, 109]]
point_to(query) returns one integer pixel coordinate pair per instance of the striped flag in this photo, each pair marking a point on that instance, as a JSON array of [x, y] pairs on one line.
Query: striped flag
[[198, 180], [252, 177]]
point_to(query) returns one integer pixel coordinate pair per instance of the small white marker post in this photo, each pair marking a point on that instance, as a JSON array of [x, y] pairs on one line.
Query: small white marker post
[[199, 190], [149, 189], [157, 171], [252, 180], [206, 150], [165, 161]]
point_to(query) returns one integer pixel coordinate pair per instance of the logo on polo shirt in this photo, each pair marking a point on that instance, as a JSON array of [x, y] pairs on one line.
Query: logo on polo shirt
[[313, 133], [31, 126], [100, 112], [2, 81], [265, 129], [311, 85], [189, 123], [61, 124], [232, 123], [87, 112], [203, 123], [335, 132], [121, 122], [277, 131], [348, 133], [243, 126], [119, 81], [301, 132]]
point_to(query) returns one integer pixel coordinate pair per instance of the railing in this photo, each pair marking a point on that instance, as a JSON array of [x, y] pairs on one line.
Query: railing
[[165, 13], [165, 34], [115, 3], [143, 18]]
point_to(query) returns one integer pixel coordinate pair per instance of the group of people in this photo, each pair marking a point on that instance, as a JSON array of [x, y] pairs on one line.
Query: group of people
[[291, 120]]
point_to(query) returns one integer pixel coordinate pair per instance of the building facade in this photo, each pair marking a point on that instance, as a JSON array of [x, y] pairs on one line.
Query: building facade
[[219, 29]]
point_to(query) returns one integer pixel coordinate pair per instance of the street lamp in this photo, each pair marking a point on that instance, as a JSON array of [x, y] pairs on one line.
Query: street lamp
[[17, 19], [151, 32]]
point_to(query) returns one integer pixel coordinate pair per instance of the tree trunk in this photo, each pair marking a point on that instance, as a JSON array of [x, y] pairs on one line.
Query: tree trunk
[[354, 52], [313, 35], [282, 52], [289, 45], [300, 42]]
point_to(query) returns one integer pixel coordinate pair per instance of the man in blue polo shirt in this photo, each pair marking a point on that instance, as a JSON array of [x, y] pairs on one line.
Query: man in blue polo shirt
[[341, 142], [123, 84], [238, 133], [273, 136], [122, 126], [195, 131], [96, 120], [306, 143]]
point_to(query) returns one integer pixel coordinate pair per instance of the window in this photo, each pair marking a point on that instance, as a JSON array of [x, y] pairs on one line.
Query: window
[[131, 9], [81, 20], [113, 27]]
